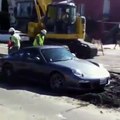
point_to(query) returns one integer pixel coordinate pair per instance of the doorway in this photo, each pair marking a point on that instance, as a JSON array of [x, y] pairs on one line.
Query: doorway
[[4, 16]]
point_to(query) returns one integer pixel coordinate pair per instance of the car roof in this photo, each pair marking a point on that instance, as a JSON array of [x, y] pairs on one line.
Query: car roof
[[45, 47]]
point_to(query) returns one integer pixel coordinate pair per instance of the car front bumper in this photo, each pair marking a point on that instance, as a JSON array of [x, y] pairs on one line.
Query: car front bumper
[[93, 84], [87, 84]]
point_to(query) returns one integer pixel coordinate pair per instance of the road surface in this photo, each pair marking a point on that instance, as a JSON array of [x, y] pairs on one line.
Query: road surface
[[25, 104]]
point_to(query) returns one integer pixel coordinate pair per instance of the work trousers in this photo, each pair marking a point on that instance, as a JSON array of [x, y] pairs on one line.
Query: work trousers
[[13, 49]]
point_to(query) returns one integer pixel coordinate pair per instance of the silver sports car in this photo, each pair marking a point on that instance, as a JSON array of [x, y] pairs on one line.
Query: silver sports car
[[55, 66]]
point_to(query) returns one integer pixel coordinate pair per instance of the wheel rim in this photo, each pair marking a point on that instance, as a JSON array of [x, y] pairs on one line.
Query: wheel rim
[[56, 81], [7, 72]]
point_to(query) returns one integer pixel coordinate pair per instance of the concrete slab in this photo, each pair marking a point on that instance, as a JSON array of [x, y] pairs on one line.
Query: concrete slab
[[110, 59]]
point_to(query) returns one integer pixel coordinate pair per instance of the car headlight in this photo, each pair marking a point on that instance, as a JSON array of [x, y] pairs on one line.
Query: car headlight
[[78, 73]]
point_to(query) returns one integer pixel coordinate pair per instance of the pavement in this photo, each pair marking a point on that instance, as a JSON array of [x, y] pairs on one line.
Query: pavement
[[22, 104], [110, 59]]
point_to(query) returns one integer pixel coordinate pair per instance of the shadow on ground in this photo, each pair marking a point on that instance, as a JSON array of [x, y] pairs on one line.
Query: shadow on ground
[[109, 98], [2, 55]]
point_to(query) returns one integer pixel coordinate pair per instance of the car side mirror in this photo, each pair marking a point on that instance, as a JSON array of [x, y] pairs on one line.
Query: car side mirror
[[74, 54], [37, 58]]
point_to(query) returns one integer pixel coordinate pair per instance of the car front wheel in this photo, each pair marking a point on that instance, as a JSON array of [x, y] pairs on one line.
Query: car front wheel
[[56, 81]]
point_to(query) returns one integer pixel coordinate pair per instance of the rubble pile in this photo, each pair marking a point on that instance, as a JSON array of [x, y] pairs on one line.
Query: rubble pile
[[110, 97]]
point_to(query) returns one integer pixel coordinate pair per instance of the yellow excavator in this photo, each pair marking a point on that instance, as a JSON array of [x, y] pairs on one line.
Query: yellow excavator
[[63, 24]]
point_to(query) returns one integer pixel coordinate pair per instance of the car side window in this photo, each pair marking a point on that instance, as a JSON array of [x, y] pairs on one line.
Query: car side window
[[19, 54], [32, 54]]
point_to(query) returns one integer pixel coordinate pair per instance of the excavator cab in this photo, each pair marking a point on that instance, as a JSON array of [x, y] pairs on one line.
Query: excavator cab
[[60, 18]]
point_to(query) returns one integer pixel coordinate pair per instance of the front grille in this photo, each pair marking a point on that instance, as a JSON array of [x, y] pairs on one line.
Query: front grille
[[95, 84], [84, 85], [90, 85]]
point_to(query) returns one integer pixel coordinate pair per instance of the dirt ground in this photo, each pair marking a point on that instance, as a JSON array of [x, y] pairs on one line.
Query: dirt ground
[[109, 98]]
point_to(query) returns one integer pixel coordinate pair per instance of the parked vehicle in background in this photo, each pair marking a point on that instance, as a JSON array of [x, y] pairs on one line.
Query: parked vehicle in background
[[56, 66], [5, 36]]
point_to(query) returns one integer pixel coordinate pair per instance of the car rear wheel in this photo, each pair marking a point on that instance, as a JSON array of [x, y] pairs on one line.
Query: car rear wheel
[[7, 73], [56, 81]]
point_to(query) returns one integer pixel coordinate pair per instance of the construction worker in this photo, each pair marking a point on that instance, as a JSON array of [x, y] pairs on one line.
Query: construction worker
[[39, 39], [14, 43], [65, 17], [116, 36]]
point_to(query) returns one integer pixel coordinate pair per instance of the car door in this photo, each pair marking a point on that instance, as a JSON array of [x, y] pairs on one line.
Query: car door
[[19, 64], [34, 65]]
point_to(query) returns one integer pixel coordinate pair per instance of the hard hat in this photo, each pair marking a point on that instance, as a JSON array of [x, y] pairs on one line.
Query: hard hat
[[44, 32], [11, 29]]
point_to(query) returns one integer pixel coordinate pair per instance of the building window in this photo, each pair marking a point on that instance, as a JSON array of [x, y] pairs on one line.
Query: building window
[[106, 9], [82, 9], [24, 9]]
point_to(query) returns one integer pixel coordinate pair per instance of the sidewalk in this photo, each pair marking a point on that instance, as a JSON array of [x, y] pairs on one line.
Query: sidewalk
[[110, 59], [3, 49]]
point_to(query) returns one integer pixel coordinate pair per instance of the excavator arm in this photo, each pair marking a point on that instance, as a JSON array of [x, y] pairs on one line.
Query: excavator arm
[[41, 7]]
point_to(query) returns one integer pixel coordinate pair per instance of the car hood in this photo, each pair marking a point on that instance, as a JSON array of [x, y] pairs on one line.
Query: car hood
[[88, 69]]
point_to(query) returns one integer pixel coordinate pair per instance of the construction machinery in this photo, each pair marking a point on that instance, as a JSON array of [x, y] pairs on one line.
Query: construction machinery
[[34, 15]]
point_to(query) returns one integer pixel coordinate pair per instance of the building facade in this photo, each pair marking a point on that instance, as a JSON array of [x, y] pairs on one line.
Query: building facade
[[99, 9]]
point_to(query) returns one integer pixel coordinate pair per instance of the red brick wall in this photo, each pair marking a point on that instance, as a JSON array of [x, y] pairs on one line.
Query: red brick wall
[[115, 8], [94, 8]]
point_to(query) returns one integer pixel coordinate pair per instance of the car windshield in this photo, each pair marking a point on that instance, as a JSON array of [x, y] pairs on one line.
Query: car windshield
[[57, 54]]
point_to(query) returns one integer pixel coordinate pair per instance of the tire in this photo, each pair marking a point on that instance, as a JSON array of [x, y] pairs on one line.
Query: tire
[[100, 88], [57, 81], [7, 73]]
